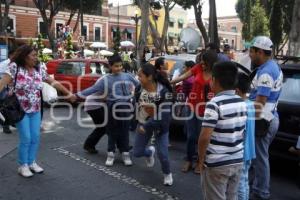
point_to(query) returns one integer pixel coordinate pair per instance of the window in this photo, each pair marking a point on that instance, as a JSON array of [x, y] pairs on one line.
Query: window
[[171, 24], [233, 29], [98, 68], [71, 68], [180, 25], [10, 25], [129, 36], [97, 33], [84, 32], [42, 29], [58, 27]]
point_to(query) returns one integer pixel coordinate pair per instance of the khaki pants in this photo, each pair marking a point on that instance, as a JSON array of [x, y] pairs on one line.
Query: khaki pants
[[221, 183]]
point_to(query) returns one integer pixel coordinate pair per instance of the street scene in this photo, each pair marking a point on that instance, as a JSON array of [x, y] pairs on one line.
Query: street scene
[[159, 99]]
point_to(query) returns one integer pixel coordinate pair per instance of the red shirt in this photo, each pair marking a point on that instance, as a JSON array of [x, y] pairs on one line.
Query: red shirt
[[201, 91]]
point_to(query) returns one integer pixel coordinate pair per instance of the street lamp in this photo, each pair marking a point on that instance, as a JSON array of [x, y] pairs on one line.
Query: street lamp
[[136, 19]]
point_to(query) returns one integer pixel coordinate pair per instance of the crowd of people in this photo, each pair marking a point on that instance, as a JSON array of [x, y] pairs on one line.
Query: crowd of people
[[224, 138]]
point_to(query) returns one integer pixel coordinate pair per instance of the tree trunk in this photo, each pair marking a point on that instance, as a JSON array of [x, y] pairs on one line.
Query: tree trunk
[[163, 38], [155, 35], [4, 16], [213, 24], [199, 22], [294, 36], [72, 13], [144, 5], [77, 22]]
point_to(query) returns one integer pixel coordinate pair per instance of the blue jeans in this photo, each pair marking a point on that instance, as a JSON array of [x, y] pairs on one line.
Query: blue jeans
[[193, 128], [140, 148], [261, 166], [29, 134], [243, 191]]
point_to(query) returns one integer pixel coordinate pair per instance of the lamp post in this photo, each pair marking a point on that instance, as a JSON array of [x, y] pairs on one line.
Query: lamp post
[[136, 19]]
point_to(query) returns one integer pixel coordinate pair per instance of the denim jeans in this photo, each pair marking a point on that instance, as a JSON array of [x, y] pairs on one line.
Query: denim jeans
[[140, 148], [29, 134], [193, 128], [243, 191], [221, 182], [261, 166]]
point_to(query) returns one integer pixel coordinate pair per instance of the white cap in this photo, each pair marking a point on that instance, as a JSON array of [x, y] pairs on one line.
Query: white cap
[[262, 42]]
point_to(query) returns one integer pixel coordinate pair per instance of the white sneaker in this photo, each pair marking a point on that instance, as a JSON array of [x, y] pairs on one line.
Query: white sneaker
[[110, 159], [126, 159], [24, 171], [151, 160], [168, 179], [36, 168]]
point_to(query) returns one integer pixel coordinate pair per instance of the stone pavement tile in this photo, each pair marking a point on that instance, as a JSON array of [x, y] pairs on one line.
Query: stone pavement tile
[[8, 142]]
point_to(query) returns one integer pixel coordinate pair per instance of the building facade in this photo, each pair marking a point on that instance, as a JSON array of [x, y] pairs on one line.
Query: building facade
[[26, 23]]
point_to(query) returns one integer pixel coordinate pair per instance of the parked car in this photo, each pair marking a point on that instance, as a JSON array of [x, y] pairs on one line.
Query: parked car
[[289, 113], [77, 74]]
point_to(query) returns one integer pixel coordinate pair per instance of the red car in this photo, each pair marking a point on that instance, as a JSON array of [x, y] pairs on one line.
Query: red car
[[77, 74]]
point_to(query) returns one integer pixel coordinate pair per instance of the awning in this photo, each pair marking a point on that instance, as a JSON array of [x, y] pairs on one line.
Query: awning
[[130, 31], [171, 34], [172, 20], [180, 21]]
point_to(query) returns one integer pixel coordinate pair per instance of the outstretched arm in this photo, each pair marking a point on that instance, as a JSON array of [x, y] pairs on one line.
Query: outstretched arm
[[182, 77]]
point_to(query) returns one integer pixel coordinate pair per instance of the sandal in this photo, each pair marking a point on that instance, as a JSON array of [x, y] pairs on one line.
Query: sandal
[[197, 169], [187, 166]]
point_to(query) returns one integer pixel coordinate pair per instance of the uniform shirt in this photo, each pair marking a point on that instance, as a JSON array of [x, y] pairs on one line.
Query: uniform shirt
[[226, 113], [267, 82]]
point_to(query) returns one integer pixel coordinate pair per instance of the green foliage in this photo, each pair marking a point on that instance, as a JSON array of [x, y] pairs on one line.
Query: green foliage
[[69, 46], [39, 46], [259, 20], [88, 5], [117, 40], [187, 4], [276, 23]]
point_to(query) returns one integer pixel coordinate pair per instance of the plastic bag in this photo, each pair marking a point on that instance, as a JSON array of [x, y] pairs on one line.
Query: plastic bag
[[49, 93]]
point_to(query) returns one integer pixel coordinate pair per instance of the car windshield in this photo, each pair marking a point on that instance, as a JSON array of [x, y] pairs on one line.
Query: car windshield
[[71, 68], [290, 90]]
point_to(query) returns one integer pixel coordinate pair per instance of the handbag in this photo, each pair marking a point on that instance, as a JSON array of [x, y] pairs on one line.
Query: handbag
[[10, 108], [261, 127]]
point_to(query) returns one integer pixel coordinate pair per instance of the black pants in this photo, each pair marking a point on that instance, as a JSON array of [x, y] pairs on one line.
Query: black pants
[[118, 131], [98, 118]]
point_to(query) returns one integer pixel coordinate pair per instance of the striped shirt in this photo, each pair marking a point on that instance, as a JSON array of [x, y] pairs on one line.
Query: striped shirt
[[227, 114]]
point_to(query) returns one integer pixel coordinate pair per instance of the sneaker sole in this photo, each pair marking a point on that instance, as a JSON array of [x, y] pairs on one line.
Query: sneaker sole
[[25, 176]]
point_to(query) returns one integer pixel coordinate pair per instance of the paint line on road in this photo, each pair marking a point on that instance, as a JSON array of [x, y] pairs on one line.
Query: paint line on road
[[117, 175]]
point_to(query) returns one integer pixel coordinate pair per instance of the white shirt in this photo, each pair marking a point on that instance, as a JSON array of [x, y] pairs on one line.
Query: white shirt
[[4, 65]]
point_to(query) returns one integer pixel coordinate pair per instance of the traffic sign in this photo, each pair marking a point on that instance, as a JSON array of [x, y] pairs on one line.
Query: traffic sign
[[81, 41]]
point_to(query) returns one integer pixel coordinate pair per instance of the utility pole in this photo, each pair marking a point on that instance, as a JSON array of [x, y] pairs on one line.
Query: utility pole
[[81, 16]]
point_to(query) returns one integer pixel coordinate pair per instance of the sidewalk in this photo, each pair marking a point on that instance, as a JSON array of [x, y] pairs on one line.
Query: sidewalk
[[8, 142]]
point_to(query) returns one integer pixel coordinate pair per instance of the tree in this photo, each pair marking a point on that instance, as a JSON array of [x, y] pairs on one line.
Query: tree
[[197, 5], [213, 24], [74, 7], [294, 36], [4, 19], [160, 41], [276, 24], [117, 40], [259, 20], [243, 9], [144, 5], [53, 6]]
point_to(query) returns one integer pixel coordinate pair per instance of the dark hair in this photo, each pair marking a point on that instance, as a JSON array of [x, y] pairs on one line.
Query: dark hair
[[20, 55], [189, 63], [266, 52], [213, 46], [226, 74], [210, 57], [148, 69], [159, 62], [114, 59], [11, 52], [243, 82]]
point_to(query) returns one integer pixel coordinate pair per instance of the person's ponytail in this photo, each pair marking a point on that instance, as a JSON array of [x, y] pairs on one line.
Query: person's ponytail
[[162, 80]]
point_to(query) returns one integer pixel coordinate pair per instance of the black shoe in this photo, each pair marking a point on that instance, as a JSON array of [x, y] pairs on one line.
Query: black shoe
[[90, 150], [254, 196], [6, 130]]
